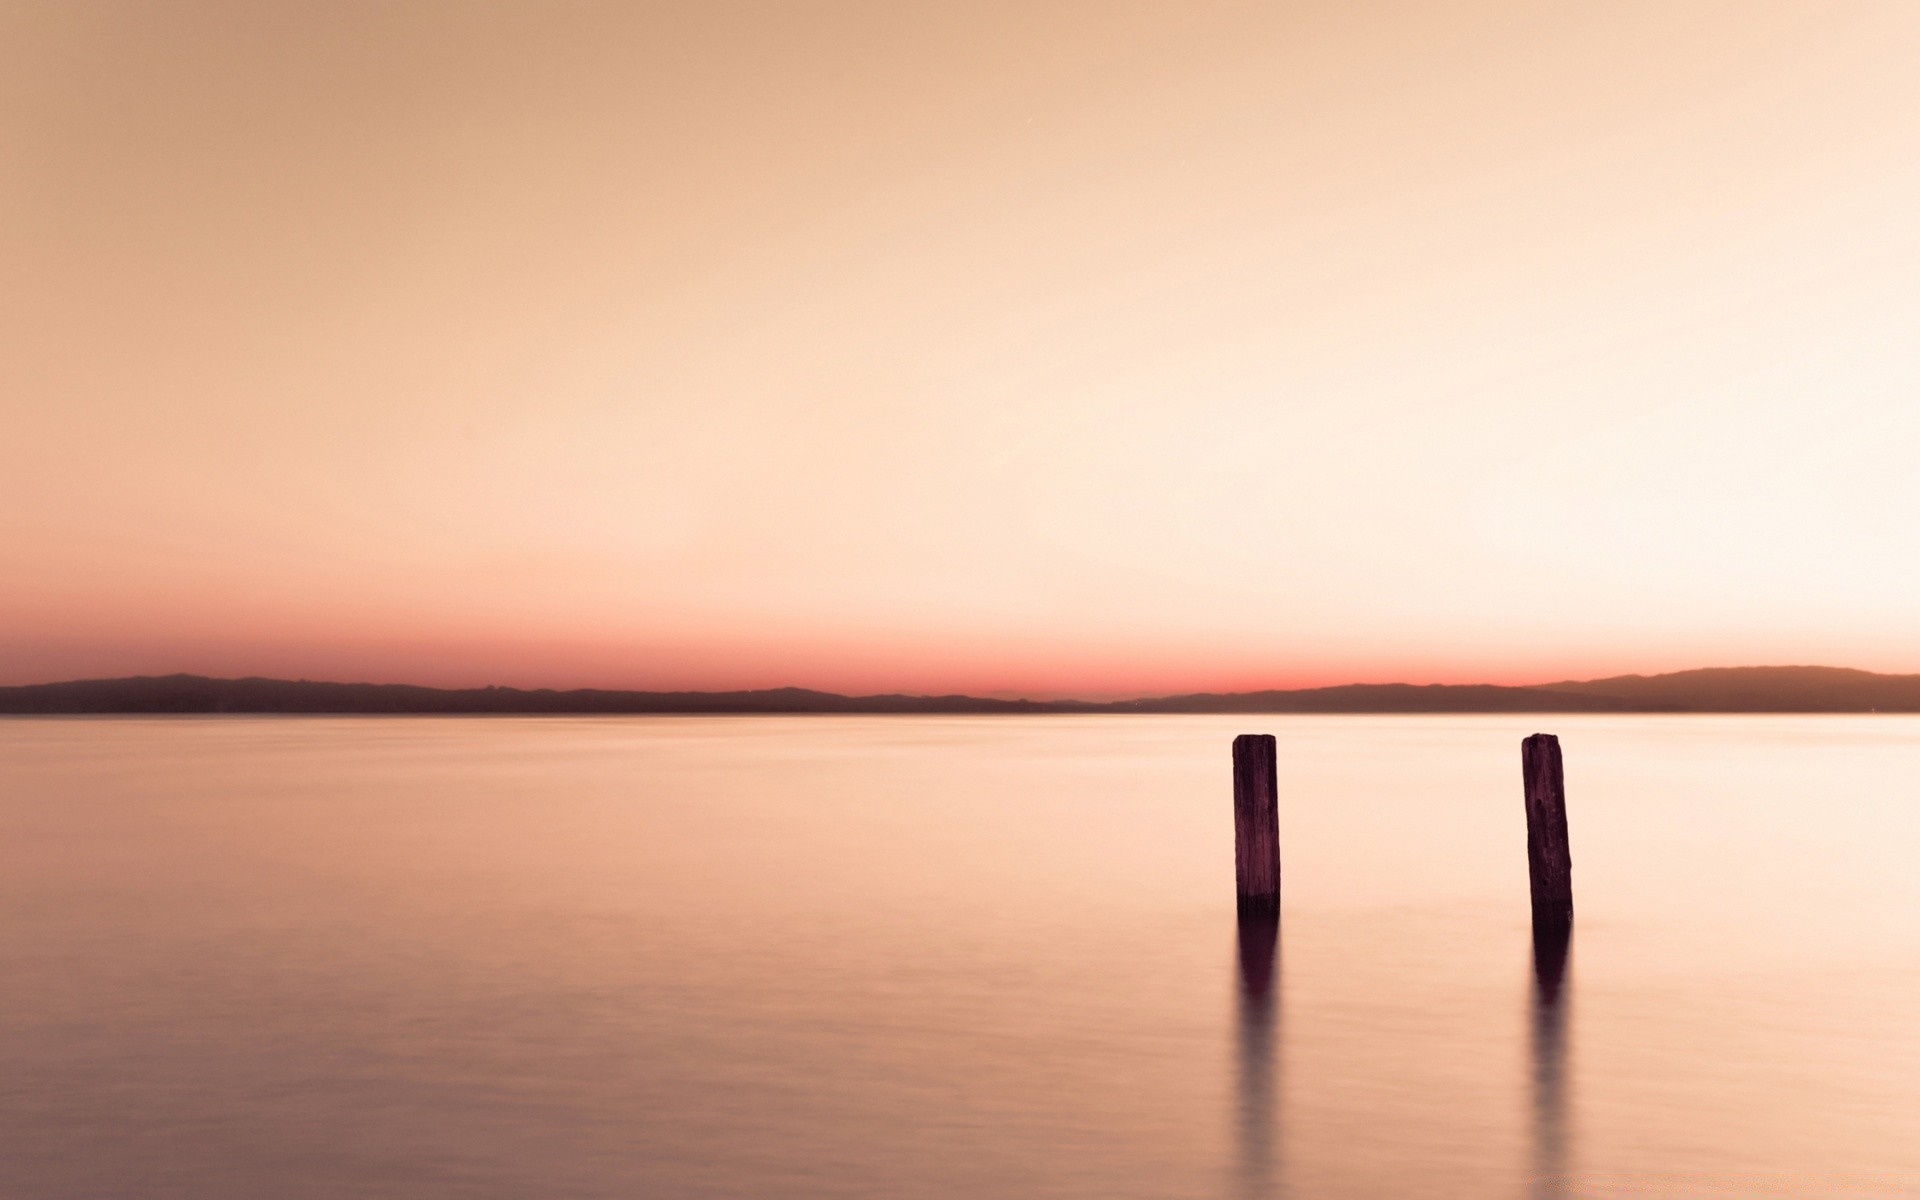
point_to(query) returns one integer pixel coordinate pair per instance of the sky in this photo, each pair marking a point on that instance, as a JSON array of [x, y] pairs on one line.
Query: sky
[[1010, 348]]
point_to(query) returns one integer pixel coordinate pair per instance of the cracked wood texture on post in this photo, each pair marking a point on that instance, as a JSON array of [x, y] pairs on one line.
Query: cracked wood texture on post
[[1256, 825], [1549, 860]]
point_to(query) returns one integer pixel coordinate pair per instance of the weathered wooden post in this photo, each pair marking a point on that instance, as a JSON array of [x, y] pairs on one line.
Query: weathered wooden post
[[1549, 862], [1256, 824]]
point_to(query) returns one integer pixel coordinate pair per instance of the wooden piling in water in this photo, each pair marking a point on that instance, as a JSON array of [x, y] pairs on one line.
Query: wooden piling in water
[[1256, 824], [1549, 861]]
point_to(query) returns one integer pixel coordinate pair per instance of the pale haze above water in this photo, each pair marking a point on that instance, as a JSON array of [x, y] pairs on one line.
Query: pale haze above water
[[949, 957]]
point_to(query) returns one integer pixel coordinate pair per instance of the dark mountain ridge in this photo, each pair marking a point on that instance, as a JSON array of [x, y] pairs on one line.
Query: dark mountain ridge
[[1760, 689], [1719, 689]]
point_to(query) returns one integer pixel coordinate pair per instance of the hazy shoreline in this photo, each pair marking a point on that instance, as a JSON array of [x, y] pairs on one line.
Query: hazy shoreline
[[1794, 689]]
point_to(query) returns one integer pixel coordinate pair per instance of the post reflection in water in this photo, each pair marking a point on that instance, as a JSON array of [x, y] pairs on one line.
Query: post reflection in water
[[1259, 1127], [1551, 950]]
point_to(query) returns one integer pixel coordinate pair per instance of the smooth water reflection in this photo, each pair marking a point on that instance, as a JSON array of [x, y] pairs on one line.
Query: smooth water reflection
[[1552, 949], [1259, 957], [945, 958]]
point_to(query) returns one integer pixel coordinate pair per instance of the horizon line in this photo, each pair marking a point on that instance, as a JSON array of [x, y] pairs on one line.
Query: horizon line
[[994, 696]]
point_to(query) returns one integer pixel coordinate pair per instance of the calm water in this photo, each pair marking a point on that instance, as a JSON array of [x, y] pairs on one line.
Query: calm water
[[949, 957]]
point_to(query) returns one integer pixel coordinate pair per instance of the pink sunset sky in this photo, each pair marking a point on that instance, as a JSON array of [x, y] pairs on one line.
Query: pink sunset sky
[[1030, 348]]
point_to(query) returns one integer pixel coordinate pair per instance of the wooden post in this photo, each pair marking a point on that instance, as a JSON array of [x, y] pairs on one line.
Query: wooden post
[[1549, 862], [1256, 824]]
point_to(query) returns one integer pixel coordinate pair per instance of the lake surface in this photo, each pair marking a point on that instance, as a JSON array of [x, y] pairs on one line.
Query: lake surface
[[950, 957]]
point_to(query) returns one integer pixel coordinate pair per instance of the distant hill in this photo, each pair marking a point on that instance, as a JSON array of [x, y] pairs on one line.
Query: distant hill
[[1724, 689], [198, 694], [1758, 689]]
